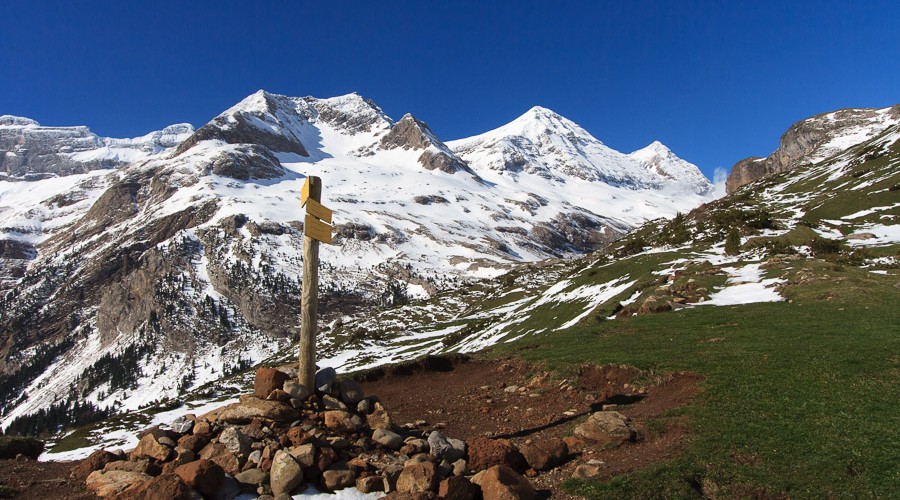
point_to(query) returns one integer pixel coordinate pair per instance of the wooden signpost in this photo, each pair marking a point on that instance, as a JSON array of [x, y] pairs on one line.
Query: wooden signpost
[[316, 228]]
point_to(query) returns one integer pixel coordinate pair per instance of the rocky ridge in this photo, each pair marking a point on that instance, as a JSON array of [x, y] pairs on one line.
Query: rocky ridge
[[815, 139]]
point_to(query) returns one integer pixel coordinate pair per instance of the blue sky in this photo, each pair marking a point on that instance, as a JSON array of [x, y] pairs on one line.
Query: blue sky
[[715, 81]]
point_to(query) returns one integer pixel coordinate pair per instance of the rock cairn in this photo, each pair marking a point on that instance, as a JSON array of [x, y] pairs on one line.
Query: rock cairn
[[284, 436]]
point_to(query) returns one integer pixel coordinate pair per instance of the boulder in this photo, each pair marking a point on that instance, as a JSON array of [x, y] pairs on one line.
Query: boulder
[[296, 390], [164, 487], [267, 380], [545, 454], [379, 418], [252, 407], [218, 453], [149, 447], [340, 420], [108, 484], [236, 441], [503, 483], [143, 466], [438, 444], [351, 392], [418, 477], [338, 477], [388, 439], [606, 428], [305, 454], [370, 484], [286, 474], [485, 453], [205, 476], [95, 461], [182, 425], [251, 479], [457, 488], [325, 379], [585, 471], [12, 446], [193, 442]]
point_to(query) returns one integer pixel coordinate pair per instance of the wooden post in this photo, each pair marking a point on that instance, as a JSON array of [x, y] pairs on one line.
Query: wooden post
[[309, 297]]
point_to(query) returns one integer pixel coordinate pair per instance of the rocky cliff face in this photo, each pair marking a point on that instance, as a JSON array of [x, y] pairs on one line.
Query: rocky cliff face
[[30, 151], [814, 139]]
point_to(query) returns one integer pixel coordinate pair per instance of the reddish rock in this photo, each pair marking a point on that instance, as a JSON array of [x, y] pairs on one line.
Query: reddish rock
[[202, 427], [545, 454], [218, 453], [572, 442], [417, 478], [267, 380], [165, 487], [485, 453], [502, 483], [457, 488], [143, 466], [193, 442], [279, 395], [95, 461], [370, 484], [297, 436], [149, 447], [205, 476], [339, 420]]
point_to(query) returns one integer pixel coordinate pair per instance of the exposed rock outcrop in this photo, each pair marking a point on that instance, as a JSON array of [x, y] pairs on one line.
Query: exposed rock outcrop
[[807, 141]]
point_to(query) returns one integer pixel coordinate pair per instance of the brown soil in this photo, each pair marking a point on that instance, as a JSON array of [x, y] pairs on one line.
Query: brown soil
[[28, 479], [465, 398]]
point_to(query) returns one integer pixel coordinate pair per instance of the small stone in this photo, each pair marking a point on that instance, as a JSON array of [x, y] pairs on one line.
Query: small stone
[[417, 478], [218, 453], [236, 442], [338, 442], [351, 392], [379, 418], [418, 459], [460, 467], [203, 475], [438, 444], [370, 484], [545, 454], [325, 379], [338, 477], [511, 389], [367, 405], [109, 483], [251, 479], [193, 442], [286, 474], [296, 390], [485, 453], [149, 447], [182, 425], [339, 420], [388, 439], [585, 471], [606, 428], [457, 488], [333, 403], [502, 482], [305, 454], [267, 380]]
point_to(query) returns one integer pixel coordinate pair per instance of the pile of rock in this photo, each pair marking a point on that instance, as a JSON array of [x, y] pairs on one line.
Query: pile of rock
[[285, 436]]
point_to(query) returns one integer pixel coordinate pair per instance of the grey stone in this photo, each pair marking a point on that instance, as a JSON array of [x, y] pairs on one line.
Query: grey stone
[[286, 474], [305, 454], [388, 439], [236, 442], [251, 479], [182, 425], [438, 444], [296, 390]]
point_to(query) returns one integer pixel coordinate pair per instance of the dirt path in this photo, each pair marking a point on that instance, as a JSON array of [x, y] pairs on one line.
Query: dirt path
[[509, 399]]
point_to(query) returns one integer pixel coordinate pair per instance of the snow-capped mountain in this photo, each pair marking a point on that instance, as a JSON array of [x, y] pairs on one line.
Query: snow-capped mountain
[[545, 144], [185, 264]]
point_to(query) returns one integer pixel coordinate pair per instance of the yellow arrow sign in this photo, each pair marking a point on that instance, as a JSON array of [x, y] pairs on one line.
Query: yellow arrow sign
[[304, 192], [316, 229], [316, 209]]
